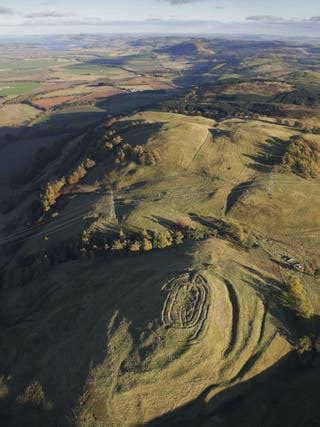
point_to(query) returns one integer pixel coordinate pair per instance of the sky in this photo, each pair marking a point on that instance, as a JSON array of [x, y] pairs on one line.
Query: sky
[[270, 17]]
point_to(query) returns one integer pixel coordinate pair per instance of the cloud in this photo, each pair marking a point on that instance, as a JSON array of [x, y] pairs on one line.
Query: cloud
[[266, 19], [180, 2], [63, 23], [6, 11], [151, 23], [278, 20], [48, 14]]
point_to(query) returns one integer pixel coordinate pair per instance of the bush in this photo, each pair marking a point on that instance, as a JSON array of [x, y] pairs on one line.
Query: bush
[[89, 163], [118, 245], [297, 298], [162, 240], [302, 158], [184, 224], [76, 175], [120, 156], [50, 193], [81, 171], [122, 235], [117, 140], [304, 345], [135, 246], [147, 245], [85, 238], [149, 160], [108, 146], [143, 157], [196, 234], [178, 237]]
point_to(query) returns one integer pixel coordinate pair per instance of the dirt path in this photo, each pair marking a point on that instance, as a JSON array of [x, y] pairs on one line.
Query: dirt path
[[206, 140]]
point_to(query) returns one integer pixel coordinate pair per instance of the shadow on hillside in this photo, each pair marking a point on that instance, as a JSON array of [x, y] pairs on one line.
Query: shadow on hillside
[[220, 133], [65, 327], [206, 221], [277, 397], [63, 337], [270, 154], [275, 296], [138, 133], [27, 151], [132, 102], [236, 193], [74, 123], [195, 75], [164, 222], [20, 145]]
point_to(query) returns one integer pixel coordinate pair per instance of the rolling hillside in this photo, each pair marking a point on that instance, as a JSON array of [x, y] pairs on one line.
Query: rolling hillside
[[175, 270]]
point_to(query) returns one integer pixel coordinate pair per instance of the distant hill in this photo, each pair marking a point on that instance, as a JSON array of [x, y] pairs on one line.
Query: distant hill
[[186, 49], [300, 96]]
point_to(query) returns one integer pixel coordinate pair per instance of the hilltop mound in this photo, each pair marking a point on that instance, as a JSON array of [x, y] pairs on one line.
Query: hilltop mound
[[161, 279]]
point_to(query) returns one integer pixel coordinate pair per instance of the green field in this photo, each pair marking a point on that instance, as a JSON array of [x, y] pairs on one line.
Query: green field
[[26, 67], [103, 70], [16, 88]]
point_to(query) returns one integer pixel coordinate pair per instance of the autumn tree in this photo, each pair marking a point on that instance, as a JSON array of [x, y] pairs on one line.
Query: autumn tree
[[302, 157], [50, 193], [297, 297]]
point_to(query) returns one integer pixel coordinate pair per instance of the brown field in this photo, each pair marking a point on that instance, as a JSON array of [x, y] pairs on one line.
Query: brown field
[[102, 94], [17, 114], [144, 83], [46, 89], [80, 91], [48, 103]]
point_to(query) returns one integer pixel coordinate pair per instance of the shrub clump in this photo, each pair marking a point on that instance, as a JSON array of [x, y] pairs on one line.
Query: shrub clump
[[302, 158], [81, 171], [119, 245], [304, 345], [138, 154], [135, 246], [50, 193], [297, 298], [162, 240], [307, 344]]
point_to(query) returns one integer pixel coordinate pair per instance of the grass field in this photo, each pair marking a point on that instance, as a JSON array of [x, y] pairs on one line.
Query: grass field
[[17, 88], [25, 67], [99, 71]]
